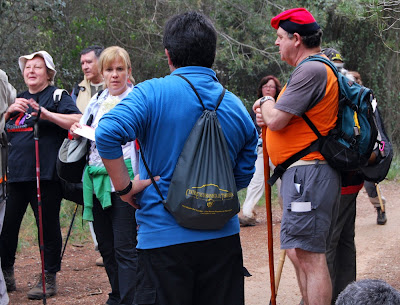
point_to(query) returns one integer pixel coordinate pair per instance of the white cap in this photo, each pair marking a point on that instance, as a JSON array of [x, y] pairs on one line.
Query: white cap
[[47, 59]]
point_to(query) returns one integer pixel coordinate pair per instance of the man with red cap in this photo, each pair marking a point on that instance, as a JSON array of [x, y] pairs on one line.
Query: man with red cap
[[310, 187]]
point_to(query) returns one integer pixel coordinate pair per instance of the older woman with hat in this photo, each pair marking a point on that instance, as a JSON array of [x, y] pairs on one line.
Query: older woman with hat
[[37, 104]]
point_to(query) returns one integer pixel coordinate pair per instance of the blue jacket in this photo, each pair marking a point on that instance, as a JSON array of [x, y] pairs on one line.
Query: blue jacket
[[161, 113]]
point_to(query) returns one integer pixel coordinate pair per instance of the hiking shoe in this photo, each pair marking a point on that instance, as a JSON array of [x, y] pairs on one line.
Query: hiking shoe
[[381, 217], [36, 293], [9, 279], [99, 262], [247, 221]]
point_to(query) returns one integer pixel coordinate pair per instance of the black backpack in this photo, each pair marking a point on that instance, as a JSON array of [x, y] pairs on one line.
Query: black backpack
[[378, 167], [348, 146], [202, 194]]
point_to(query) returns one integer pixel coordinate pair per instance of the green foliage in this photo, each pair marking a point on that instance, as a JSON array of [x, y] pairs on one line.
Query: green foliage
[[274, 197], [356, 30], [394, 171], [80, 233], [28, 232], [365, 31]]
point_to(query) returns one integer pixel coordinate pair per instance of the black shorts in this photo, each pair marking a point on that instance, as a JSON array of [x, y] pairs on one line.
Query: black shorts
[[199, 273]]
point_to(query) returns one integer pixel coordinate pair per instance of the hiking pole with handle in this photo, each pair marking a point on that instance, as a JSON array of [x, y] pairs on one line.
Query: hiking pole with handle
[[269, 218], [39, 200]]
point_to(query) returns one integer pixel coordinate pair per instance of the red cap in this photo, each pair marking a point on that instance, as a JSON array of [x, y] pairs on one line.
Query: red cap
[[296, 20]]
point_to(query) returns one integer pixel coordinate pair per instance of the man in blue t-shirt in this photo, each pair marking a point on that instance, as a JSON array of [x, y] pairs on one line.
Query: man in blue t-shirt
[[177, 265]]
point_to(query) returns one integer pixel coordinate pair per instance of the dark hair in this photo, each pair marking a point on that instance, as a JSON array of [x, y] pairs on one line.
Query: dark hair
[[265, 80], [313, 40], [191, 40], [369, 292], [95, 48]]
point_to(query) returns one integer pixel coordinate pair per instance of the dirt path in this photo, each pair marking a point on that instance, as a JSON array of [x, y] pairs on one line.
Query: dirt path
[[81, 282], [377, 250]]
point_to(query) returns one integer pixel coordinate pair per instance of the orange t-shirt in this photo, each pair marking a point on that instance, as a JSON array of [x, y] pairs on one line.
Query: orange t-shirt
[[313, 89]]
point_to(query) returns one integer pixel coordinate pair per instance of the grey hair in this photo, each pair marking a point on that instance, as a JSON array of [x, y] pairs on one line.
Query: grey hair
[[310, 41], [95, 48], [369, 292]]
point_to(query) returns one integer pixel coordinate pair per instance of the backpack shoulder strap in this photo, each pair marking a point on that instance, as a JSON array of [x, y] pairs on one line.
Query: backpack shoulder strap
[[99, 93], [334, 69], [281, 168], [57, 94], [320, 59], [193, 88], [198, 96], [141, 151], [323, 60], [149, 172], [220, 99]]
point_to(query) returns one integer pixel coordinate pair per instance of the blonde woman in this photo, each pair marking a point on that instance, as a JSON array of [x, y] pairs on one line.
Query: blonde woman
[[113, 219]]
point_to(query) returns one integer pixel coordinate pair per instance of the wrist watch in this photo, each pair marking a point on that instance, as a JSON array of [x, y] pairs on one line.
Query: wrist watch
[[125, 190], [266, 98]]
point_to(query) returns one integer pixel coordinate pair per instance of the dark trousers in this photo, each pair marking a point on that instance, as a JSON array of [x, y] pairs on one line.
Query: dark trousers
[[199, 273], [370, 188], [115, 230], [20, 195], [341, 254]]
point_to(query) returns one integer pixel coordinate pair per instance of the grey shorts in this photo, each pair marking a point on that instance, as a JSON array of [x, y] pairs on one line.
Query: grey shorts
[[311, 195]]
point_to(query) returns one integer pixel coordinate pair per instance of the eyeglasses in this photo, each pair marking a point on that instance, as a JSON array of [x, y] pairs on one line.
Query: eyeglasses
[[268, 87]]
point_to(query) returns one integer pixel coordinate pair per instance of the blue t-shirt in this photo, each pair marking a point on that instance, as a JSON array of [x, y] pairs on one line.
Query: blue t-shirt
[[161, 113], [21, 157]]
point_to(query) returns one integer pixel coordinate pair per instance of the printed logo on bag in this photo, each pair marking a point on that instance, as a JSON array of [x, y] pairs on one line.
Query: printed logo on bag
[[209, 193]]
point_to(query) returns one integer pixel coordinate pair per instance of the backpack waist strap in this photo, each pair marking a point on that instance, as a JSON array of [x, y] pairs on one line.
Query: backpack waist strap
[[307, 162]]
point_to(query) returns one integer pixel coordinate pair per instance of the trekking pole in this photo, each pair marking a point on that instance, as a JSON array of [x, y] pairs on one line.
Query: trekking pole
[[378, 191], [279, 270], [39, 200], [269, 218], [69, 230]]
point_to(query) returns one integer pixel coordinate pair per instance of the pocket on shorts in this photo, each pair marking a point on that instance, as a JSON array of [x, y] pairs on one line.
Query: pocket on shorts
[[145, 296], [301, 223]]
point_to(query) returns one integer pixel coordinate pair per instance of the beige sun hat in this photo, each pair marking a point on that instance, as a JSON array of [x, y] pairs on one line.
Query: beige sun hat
[[47, 59]]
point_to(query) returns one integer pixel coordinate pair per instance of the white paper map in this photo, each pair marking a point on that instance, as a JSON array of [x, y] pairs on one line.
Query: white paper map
[[85, 131]]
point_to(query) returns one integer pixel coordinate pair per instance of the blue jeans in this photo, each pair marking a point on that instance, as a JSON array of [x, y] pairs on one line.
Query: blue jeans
[[115, 230]]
